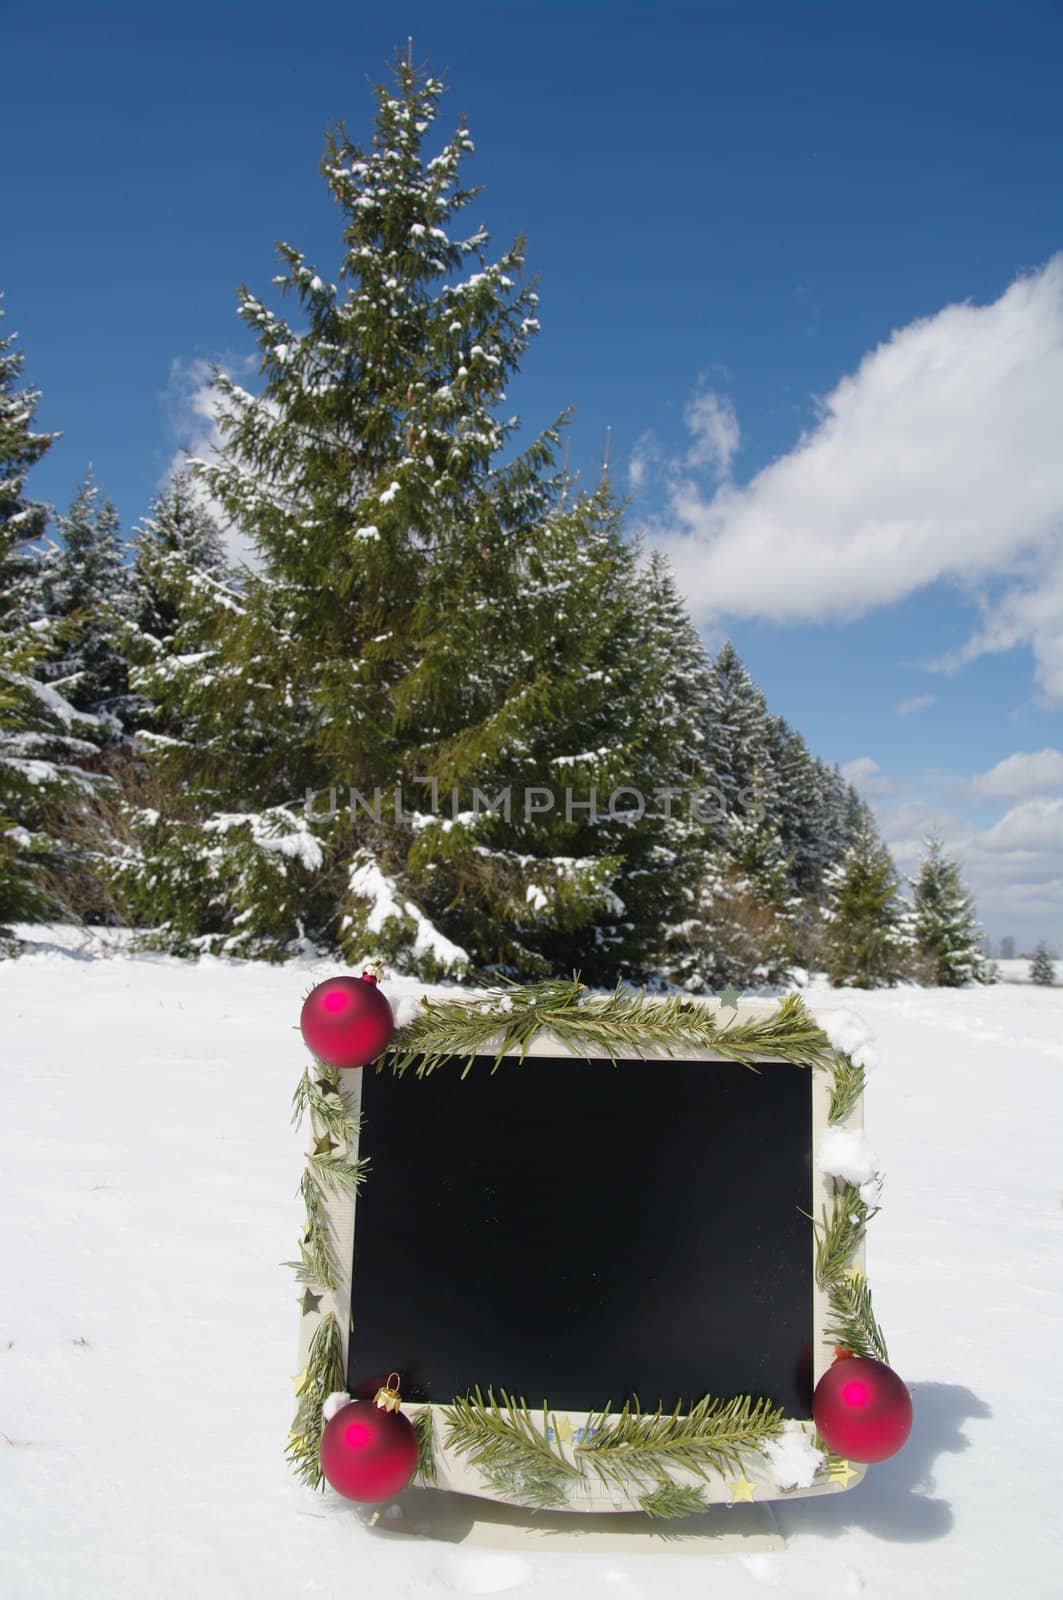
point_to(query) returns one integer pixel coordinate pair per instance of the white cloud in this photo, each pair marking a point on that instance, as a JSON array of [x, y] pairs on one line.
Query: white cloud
[[866, 775], [917, 702], [1029, 611], [644, 457], [1033, 827], [713, 427], [193, 405], [1021, 775], [938, 459]]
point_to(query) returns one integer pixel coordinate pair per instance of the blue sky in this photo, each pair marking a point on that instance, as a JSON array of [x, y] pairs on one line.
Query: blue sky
[[750, 223]]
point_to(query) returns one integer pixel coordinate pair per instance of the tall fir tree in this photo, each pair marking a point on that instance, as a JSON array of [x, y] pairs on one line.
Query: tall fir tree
[[946, 940], [44, 741], [820, 813], [813, 809], [734, 927], [21, 520], [737, 732], [179, 569], [86, 589], [865, 945], [423, 625]]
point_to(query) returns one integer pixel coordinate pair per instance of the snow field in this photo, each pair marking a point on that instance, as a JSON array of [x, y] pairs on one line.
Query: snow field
[[148, 1330]]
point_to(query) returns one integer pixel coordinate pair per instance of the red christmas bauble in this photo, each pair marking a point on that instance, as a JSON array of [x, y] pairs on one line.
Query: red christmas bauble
[[346, 1022], [862, 1409], [368, 1454]]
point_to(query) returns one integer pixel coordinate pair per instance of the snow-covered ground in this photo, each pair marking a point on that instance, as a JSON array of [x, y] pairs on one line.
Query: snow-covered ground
[[147, 1328]]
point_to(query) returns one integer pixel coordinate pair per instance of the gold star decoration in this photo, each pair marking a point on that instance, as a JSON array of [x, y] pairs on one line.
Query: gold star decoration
[[841, 1473], [741, 1489], [563, 1429], [729, 997], [853, 1274], [311, 1302], [325, 1146], [302, 1381]]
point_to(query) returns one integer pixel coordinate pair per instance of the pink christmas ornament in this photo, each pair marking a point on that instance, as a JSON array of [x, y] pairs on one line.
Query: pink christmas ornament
[[369, 1449], [346, 1022], [862, 1409]]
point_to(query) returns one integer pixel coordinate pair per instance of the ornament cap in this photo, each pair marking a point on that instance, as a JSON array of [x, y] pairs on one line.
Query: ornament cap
[[387, 1396]]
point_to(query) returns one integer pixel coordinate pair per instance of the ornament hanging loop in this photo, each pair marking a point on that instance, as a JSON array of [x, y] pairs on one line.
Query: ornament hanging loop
[[387, 1397]]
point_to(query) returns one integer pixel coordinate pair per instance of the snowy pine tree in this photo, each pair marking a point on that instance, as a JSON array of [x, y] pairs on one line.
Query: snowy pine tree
[[813, 809], [178, 566], [946, 940], [44, 741], [734, 929], [865, 945], [85, 586], [737, 730], [1042, 967], [423, 626], [21, 520]]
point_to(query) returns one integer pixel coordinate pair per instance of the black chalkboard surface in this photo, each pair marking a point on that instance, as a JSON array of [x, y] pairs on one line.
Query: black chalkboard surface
[[577, 1232]]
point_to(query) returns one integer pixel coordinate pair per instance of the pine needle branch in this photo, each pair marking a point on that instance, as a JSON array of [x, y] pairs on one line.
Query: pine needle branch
[[335, 1172], [854, 1326], [710, 1437], [312, 1269], [510, 1451], [672, 1500], [328, 1111], [324, 1375], [317, 1248], [507, 1020], [848, 1087], [838, 1234], [424, 1428]]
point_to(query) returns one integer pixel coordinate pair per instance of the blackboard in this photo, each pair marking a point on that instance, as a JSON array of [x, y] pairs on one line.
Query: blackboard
[[577, 1232]]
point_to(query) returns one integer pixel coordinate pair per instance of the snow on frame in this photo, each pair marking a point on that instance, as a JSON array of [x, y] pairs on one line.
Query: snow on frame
[[846, 1154], [793, 1459]]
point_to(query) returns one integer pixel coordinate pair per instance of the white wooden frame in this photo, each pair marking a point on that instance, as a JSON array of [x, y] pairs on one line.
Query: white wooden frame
[[453, 1471]]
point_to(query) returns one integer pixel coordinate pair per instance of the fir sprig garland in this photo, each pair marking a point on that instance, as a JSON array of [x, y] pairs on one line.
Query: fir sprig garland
[[710, 1437], [508, 1019], [501, 1439], [838, 1233], [327, 1171], [321, 1099], [672, 1500], [629, 1450], [424, 1428], [322, 1376], [848, 1086], [854, 1326], [316, 1267]]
